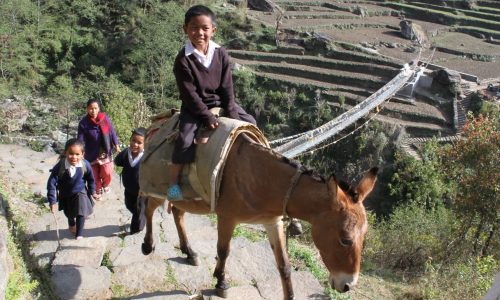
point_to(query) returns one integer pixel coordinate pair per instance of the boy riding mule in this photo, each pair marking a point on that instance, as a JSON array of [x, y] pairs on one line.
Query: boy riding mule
[[259, 186]]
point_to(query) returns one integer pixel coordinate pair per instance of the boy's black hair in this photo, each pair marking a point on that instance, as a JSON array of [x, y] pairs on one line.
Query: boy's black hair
[[140, 131], [93, 100], [72, 142], [199, 10]]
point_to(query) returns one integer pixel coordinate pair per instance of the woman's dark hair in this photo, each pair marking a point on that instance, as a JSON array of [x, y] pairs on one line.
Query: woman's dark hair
[[90, 101], [141, 131], [199, 10], [74, 142]]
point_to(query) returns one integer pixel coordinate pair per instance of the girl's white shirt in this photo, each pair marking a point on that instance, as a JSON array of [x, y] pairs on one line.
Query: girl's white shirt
[[71, 168], [205, 60], [134, 161]]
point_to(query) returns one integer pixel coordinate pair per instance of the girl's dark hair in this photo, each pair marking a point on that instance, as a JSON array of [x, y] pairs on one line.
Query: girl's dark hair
[[141, 131], [90, 101], [199, 10], [73, 142]]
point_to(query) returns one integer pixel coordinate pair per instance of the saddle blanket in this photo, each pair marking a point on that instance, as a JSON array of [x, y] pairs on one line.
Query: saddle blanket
[[202, 178]]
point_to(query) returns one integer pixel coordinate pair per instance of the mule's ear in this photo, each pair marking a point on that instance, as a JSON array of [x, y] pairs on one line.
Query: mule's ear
[[366, 185], [334, 191], [332, 186]]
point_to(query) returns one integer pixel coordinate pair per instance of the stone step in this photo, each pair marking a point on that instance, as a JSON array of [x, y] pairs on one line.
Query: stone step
[[410, 150]]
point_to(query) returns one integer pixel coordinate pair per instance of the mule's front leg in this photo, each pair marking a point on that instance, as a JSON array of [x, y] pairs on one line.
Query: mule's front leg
[[225, 231], [277, 240], [153, 203], [192, 257]]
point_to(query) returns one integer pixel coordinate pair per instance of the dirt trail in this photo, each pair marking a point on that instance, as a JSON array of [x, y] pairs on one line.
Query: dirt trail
[[108, 263]]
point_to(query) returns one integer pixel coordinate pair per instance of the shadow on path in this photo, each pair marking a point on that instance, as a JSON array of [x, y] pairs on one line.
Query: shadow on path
[[104, 231], [158, 294]]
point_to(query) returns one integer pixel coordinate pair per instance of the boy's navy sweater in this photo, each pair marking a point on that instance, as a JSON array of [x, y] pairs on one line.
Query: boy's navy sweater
[[130, 175], [69, 186]]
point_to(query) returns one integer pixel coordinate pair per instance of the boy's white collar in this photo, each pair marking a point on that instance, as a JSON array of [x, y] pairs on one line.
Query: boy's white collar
[[190, 49], [134, 161]]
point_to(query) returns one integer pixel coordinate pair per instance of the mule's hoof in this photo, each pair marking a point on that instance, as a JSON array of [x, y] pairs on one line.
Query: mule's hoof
[[194, 261], [147, 249], [221, 292]]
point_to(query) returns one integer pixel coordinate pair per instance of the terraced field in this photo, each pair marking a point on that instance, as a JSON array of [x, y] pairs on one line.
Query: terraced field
[[369, 50], [345, 84]]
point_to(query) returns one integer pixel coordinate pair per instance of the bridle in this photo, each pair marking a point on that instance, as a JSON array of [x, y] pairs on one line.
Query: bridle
[[293, 183]]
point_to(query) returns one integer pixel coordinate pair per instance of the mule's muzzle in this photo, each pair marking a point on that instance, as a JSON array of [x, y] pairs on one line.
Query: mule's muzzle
[[346, 288], [343, 282]]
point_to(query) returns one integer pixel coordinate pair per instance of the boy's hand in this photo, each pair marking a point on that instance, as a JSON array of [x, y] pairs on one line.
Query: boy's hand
[[213, 125], [53, 208], [117, 148]]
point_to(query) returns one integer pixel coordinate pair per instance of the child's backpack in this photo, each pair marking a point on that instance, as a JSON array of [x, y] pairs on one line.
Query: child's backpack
[[60, 173]]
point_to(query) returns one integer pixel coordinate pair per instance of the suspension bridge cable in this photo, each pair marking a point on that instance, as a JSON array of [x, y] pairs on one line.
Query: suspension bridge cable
[[316, 136]]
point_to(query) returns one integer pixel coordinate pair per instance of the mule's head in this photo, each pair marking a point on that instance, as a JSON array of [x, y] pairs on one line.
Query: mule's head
[[339, 231]]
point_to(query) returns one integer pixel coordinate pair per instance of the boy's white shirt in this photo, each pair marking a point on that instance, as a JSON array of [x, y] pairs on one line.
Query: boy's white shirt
[[71, 168], [134, 161], [205, 60]]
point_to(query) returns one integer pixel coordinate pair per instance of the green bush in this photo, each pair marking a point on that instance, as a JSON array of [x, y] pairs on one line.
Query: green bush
[[410, 237], [467, 280], [124, 108], [421, 181]]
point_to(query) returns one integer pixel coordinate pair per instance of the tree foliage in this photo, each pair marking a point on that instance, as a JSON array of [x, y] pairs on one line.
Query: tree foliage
[[421, 181], [472, 165]]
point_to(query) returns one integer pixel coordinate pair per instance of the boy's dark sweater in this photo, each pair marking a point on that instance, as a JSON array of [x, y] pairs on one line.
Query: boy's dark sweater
[[69, 186], [130, 175], [202, 88]]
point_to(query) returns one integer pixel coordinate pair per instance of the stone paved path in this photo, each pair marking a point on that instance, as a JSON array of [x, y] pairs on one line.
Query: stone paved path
[[107, 263]]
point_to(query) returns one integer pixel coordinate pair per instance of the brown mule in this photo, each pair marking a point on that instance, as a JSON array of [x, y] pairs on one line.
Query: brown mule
[[257, 186]]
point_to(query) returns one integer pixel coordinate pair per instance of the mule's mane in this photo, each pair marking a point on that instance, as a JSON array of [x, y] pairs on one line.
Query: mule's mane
[[295, 164]]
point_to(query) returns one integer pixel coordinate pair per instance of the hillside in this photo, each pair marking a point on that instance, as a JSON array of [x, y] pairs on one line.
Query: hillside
[[433, 227]]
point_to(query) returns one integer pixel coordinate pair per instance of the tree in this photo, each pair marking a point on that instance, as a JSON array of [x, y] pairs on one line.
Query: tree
[[21, 63], [160, 38], [472, 164]]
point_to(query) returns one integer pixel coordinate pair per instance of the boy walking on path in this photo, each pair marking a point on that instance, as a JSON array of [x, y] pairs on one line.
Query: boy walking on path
[[203, 74], [130, 159]]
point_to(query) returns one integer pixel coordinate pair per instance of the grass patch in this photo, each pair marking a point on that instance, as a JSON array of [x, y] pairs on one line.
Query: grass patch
[[27, 279], [170, 279], [119, 291], [248, 233], [213, 219], [304, 258], [106, 262], [20, 283], [163, 239]]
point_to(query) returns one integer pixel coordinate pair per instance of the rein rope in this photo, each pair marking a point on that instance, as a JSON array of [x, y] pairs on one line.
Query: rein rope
[[293, 183]]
